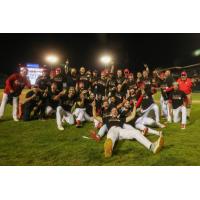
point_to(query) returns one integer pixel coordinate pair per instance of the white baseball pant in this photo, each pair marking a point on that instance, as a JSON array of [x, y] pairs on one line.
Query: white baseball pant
[[3, 105], [164, 105], [118, 133], [155, 108], [181, 110], [102, 131], [63, 114], [49, 110], [81, 115], [142, 123]]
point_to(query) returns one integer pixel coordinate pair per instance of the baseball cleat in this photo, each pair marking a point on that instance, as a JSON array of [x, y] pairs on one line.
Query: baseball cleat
[[157, 146], [94, 136], [78, 123], [145, 131], [183, 126], [60, 128], [108, 148], [16, 119]]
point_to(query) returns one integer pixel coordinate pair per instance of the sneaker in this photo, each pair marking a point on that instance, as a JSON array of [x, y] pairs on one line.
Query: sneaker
[[94, 136], [145, 131], [16, 119], [183, 126], [157, 146], [108, 148], [60, 128], [78, 123]]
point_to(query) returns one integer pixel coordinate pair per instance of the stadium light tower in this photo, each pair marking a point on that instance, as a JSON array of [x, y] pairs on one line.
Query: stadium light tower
[[106, 60]]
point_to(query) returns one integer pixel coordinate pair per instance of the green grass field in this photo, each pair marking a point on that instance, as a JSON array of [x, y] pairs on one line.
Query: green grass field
[[40, 143]]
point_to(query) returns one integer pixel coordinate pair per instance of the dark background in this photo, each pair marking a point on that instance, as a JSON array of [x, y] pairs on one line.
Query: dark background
[[128, 50]]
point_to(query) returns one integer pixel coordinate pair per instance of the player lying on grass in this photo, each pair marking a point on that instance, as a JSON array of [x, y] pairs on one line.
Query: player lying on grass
[[117, 131]]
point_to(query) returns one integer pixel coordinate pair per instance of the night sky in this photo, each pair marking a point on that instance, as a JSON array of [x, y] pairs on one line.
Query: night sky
[[128, 50]]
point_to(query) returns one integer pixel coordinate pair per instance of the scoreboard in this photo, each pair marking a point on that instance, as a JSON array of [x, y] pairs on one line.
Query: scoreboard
[[34, 71]]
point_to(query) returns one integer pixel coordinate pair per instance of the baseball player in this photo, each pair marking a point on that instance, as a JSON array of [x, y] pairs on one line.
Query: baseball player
[[178, 100], [185, 85], [63, 111], [15, 83]]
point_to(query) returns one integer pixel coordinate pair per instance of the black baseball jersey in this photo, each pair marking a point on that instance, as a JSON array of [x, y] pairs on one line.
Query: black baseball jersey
[[119, 80], [101, 86], [50, 99], [111, 85], [147, 100], [67, 102], [163, 84], [119, 96], [84, 79], [110, 122], [33, 102], [94, 85], [71, 81], [60, 81], [177, 97], [169, 81], [131, 85], [43, 82]]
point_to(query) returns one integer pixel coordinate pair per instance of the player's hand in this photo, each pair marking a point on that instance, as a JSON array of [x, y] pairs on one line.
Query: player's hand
[[142, 91], [33, 96], [11, 91], [94, 103]]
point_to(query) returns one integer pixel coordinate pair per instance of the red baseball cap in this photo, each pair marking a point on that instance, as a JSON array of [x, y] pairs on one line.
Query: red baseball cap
[[126, 70], [183, 73]]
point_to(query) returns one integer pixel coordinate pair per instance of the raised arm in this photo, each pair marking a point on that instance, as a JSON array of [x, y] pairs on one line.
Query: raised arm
[[132, 115], [94, 113]]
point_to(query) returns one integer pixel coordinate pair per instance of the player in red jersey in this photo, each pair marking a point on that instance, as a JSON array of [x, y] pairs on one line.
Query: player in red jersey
[[185, 85], [15, 83]]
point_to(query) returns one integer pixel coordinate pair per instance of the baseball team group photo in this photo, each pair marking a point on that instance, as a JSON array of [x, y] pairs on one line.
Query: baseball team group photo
[[100, 99]]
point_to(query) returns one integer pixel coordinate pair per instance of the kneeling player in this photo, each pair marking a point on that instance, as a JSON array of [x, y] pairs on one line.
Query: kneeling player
[[33, 107], [178, 99], [53, 97]]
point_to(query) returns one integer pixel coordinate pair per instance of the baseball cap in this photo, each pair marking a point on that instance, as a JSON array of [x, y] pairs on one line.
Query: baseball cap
[[183, 73]]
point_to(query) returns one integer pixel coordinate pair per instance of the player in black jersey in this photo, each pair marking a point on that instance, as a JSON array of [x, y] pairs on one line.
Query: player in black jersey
[[116, 132], [178, 100], [63, 111], [44, 81], [60, 79], [32, 105], [164, 98], [79, 109], [52, 100], [102, 85]]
